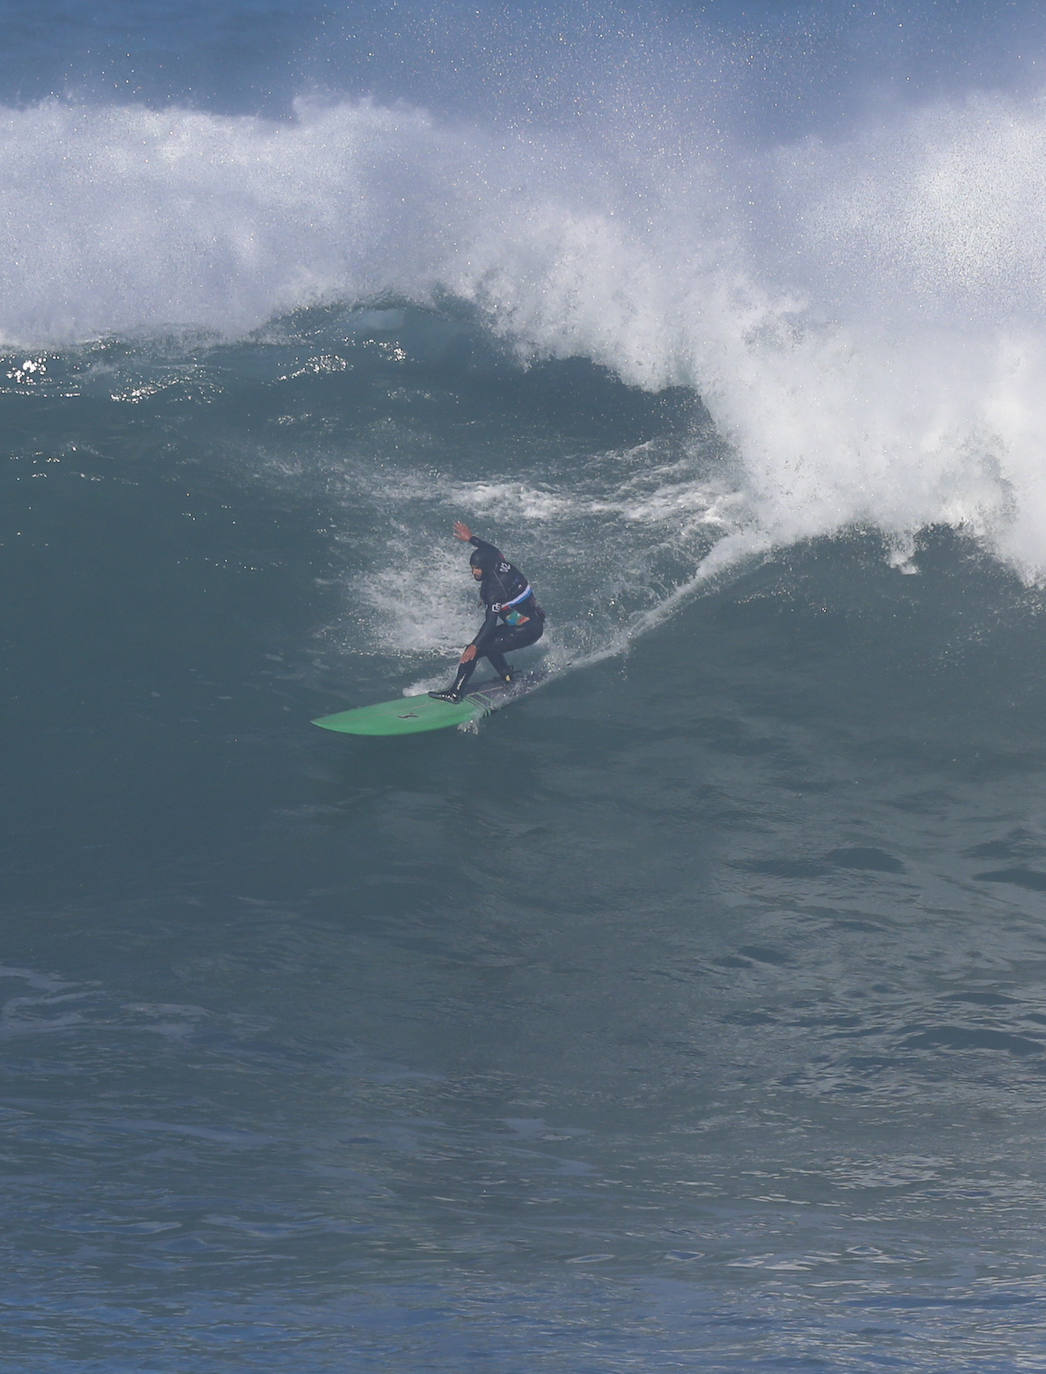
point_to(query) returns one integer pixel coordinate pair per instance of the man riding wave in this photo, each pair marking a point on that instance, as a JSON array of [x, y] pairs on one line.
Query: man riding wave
[[513, 617]]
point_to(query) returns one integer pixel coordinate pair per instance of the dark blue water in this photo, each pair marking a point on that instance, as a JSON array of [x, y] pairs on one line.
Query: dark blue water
[[689, 1013]]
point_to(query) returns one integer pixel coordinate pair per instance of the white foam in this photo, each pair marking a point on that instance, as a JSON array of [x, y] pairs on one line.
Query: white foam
[[863, 317]]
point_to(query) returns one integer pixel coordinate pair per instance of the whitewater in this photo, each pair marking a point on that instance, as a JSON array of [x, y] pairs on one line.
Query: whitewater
[[861, 314]]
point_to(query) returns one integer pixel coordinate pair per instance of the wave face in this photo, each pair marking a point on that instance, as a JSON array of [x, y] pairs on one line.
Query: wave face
[[689, 1013], [857, 301]]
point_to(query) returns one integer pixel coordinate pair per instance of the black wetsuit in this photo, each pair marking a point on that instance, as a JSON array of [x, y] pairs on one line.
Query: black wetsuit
[[513, 617]]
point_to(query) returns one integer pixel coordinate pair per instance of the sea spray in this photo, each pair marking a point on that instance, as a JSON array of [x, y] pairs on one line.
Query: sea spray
[[861, 316]]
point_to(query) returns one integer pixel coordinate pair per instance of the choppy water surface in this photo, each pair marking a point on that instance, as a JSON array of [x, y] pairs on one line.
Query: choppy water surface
[[689, 1013]]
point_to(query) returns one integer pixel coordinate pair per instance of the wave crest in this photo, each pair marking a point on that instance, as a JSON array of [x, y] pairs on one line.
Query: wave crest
[[862, 319]]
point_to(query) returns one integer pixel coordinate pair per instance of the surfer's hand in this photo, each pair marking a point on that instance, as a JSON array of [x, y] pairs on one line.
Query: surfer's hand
[[462, 531]]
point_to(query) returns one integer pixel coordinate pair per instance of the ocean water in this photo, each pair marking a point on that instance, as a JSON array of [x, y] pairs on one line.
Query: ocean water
[[690, 1014]]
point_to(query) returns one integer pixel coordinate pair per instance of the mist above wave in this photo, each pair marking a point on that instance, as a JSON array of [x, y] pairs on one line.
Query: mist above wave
[[862, 316]]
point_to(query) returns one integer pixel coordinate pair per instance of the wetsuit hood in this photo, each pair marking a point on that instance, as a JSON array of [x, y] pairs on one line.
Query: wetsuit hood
[[485, 558]]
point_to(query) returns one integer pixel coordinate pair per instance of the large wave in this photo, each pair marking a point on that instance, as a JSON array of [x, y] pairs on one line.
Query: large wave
[[862, 315]]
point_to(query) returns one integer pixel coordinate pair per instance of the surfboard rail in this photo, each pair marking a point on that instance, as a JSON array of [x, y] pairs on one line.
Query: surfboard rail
[[414, 714]]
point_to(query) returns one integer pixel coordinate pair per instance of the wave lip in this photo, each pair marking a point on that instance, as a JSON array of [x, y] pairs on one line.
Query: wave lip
[[862, 318], [174, 218]]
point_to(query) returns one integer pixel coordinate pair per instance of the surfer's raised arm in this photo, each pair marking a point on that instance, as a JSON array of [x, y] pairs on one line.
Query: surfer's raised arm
[[462, 532], [507, 596]]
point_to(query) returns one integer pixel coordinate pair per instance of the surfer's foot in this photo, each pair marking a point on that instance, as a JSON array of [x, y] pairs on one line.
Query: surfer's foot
[[451, 695]]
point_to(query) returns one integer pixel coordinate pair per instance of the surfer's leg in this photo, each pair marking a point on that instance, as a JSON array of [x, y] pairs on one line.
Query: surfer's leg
[[466, 668], [510, 637], [500, 664]]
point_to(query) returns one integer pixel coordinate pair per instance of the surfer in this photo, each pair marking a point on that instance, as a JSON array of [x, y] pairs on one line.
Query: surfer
[[513, 617]]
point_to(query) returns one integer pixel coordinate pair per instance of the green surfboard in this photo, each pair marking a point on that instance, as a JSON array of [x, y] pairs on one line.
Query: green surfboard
[[411, 715]]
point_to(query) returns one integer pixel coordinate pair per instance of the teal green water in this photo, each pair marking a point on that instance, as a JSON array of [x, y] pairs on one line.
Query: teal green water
[[690, 1013], [692, 1004]]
